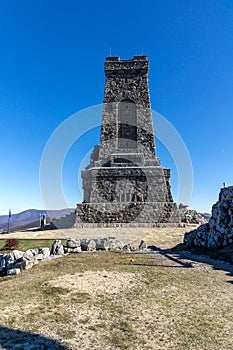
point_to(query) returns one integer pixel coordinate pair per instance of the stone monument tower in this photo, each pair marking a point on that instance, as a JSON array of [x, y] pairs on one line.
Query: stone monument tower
[[125, 183]]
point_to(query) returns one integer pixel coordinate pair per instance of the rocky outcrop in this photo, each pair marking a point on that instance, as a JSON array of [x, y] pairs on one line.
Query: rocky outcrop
[[193, 217], [218, 232]]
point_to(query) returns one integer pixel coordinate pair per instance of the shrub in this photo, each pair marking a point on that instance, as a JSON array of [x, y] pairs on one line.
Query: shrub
[[11, 243]]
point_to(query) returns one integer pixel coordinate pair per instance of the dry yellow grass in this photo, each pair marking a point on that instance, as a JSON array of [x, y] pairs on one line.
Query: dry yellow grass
[[163, 237]]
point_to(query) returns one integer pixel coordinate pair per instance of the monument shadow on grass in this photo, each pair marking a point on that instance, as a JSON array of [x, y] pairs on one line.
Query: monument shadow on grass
[[22, 340]]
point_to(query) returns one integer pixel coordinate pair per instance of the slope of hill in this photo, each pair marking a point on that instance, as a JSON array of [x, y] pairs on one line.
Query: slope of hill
[[31, 216]]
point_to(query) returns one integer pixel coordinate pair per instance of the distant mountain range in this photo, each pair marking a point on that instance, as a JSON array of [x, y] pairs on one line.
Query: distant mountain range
[[206, 215], [31, 218]]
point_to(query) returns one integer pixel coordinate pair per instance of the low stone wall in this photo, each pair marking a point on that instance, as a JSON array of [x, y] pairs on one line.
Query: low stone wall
[[14, 262], [218, 232]]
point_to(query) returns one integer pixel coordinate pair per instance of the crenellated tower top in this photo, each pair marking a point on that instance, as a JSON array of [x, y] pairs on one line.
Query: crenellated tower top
[[127, 80]]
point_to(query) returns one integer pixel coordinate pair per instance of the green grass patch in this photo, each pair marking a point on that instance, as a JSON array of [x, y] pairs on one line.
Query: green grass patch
[[25, 244]]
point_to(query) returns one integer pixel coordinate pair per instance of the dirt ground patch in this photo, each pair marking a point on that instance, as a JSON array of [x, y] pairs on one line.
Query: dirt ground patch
[[96, 282]]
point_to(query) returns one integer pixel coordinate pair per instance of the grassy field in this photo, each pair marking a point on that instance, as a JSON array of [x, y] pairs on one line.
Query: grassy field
[[25, 244], [117, 300], [162, 237]]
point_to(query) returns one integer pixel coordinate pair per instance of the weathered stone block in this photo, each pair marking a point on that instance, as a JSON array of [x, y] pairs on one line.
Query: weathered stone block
[[73, 243], [13, 271], [2, 262], [57, 248], [45, 252], [142, 245]]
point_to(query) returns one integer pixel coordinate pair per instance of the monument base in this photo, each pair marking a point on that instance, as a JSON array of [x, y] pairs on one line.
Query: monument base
[[128, 214]]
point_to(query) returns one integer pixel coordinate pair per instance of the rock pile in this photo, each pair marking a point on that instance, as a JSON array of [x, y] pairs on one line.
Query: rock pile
[[193, 217], [15, 261], [218, 232]]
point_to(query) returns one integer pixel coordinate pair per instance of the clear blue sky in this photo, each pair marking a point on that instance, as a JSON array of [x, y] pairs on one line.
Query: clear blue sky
[[51, 66]]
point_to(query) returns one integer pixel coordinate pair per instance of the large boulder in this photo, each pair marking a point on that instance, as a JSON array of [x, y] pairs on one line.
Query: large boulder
[[72, 250], [10, 260], [13, 271], [17, 254], [57, 248], [115, 244], [142, 245], [45, 252], [2, 262], [28, 260], [91, 246], [102, 244], [31, 252], [88, 245], [73, 243], [23, 264]]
